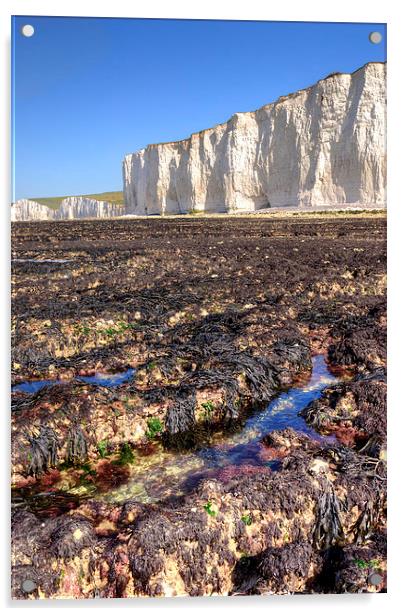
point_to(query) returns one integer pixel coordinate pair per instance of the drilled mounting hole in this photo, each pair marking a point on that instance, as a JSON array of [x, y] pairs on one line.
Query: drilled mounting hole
[[375, 38], [28, 30]]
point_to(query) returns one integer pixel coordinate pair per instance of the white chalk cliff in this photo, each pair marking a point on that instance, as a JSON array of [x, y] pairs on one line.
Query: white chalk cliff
[[70, 208], [325, 145], [26, 209], [83, 207]]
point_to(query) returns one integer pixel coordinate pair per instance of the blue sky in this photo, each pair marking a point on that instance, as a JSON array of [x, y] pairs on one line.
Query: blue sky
[[87, 91]]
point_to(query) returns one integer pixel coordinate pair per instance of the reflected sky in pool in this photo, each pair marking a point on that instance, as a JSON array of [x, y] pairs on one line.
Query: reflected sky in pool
[[108, 380], [103, 380], [167, 473]]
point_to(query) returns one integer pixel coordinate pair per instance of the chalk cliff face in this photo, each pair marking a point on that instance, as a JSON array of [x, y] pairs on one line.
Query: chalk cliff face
[[25, 209], [83, 207], [324, 145], [70, 208]]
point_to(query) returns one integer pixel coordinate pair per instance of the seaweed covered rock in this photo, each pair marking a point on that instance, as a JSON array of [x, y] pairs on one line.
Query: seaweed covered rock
[[221, 393], [216, 316], [73, 423], [361, 341], [355, 569], [44, 555], [321, 498], [278, 570], [70, 536], [355, 411]]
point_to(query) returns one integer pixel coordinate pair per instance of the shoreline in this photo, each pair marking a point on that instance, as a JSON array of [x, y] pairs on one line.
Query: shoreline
[[280, 213]]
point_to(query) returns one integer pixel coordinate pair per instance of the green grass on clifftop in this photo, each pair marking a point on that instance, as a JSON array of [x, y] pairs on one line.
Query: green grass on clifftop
[[54, 202]]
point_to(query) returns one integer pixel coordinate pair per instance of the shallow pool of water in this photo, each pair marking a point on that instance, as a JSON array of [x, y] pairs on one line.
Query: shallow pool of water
[[32, 387], [108, 380], [101, 379], [39, 261], [226, 455]]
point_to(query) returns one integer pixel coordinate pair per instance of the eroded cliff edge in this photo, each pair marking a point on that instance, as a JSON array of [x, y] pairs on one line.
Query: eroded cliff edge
[[70, 208], [324, 145]]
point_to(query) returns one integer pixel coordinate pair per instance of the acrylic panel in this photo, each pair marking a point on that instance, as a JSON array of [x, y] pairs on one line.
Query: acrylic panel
[[198, 402]]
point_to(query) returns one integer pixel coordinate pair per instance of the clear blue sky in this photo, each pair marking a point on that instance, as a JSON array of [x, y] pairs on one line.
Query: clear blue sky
[[87, 91]]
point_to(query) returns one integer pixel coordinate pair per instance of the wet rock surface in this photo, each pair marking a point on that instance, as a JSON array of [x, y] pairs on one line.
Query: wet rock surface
[[356, 412], [217, 318], [256, 534]]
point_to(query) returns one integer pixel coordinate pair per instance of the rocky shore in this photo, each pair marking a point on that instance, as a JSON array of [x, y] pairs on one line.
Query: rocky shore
[[214, 319]]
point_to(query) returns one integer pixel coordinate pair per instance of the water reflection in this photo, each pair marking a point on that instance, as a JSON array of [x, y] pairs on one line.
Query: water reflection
[[101, 379], [226, 455]]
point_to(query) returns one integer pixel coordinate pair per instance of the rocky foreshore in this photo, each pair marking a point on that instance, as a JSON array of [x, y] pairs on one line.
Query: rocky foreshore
[[137, 467]]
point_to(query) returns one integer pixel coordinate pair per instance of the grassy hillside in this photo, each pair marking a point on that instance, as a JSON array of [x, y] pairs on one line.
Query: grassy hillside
[[54, 202]]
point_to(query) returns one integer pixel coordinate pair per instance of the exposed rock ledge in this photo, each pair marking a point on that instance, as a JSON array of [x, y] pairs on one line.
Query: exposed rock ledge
[[70, 208], [322, 145]]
